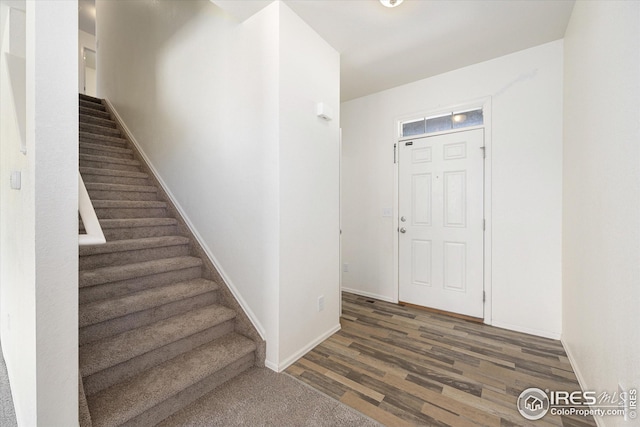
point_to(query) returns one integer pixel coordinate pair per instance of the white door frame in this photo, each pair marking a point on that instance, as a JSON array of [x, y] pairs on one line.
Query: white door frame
[[485, 104]]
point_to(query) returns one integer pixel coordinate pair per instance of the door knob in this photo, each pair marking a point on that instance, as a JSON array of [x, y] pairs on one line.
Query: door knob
[[403, 230]]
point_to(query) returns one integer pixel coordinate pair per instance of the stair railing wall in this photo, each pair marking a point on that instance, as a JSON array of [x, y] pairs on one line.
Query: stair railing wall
[[94, 234]]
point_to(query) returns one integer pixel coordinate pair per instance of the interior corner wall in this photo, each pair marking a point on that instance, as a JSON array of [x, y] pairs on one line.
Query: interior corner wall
[[309, 188], [601, 210], [526, 183], [39, 221]]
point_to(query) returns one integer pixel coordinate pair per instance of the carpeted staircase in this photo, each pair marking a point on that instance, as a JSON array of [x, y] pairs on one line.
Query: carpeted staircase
[[158, 326]]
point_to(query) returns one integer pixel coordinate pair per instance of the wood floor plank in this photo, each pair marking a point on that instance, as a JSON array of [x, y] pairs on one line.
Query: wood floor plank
[[406, 366]]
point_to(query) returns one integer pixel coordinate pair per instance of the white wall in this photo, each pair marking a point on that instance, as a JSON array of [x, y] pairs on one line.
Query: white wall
[[601, 210], [309, 188], [89, 41], [525, 155], [206, 99], [39, 222]]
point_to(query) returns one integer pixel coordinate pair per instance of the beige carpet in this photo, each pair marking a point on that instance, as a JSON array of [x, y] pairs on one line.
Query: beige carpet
[[261, 397], [7, 412]]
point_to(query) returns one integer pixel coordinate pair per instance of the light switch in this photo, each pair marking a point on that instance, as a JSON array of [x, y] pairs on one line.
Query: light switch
[[16, 180], [387, 212]]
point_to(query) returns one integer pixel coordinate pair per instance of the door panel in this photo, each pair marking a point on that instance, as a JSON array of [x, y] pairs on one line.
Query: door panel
[[441, 213]]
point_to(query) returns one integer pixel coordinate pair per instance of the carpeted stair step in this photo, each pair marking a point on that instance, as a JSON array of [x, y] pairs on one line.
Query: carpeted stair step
[[111, 282], [94, 112], [112, 209], [122, 356], [103, 191], [89, 98], [99, 121], [100, 130], [101, 319], [92, 105], [103, 275], [158, 392], [109, 176], [119, 252], [111, 141], [105, 150], [135, 228], [104, 162]]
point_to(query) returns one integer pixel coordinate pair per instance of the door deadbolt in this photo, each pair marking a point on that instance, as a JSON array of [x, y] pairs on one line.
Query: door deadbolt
[[403, 219]]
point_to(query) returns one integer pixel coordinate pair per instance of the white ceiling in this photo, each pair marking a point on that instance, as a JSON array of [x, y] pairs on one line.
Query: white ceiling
[[382, 48]]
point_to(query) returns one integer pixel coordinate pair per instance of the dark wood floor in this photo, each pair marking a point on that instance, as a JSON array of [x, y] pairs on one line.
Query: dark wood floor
[[406, 366]]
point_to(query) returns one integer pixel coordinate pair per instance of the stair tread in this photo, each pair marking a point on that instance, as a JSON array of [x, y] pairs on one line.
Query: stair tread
[[102, 186], [124, 401], [107, 148], [93, 105], [129, 204], [111, 172], [107, 159], [95, 120], [102, 275], [91, 135], [89, 98], [133, 244], [136, 222], [110, 351], [93, 112], [103, 310]]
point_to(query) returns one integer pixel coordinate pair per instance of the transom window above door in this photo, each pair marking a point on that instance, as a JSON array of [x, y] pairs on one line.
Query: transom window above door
[[442, 122]]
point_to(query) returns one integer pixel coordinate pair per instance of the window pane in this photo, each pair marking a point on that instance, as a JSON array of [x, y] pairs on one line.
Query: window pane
[[468, 118], [413, 128], [439, 124]]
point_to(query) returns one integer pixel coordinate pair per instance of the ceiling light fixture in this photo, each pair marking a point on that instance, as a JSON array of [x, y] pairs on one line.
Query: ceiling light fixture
[[391, 3]]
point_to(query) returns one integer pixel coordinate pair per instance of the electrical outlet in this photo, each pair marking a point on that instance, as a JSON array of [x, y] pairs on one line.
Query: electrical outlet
[[345, 267], [321, 303]]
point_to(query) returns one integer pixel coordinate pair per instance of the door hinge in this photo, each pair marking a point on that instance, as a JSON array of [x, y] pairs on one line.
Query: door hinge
[[394, 153], [484, 152], [484, 296], [484, 225]]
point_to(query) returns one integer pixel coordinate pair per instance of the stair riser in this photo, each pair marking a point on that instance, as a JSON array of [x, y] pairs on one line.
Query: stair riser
[[122, 195], [124, 287], [93, 138], [117, 213], [175, 403], [99, 130], [125, 370], [118, 325], [96, 151], [92, 105], [94, 113], [128, 257], [85, 118], [108, 165], [108, 179]]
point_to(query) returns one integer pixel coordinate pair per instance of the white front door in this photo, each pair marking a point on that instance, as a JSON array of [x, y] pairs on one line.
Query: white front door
[[441, 227]]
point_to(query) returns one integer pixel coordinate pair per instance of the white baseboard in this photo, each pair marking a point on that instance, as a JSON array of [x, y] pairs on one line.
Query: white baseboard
[[369, 295], [530, 331], [252, 317], [304, 350], [579, 376]]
